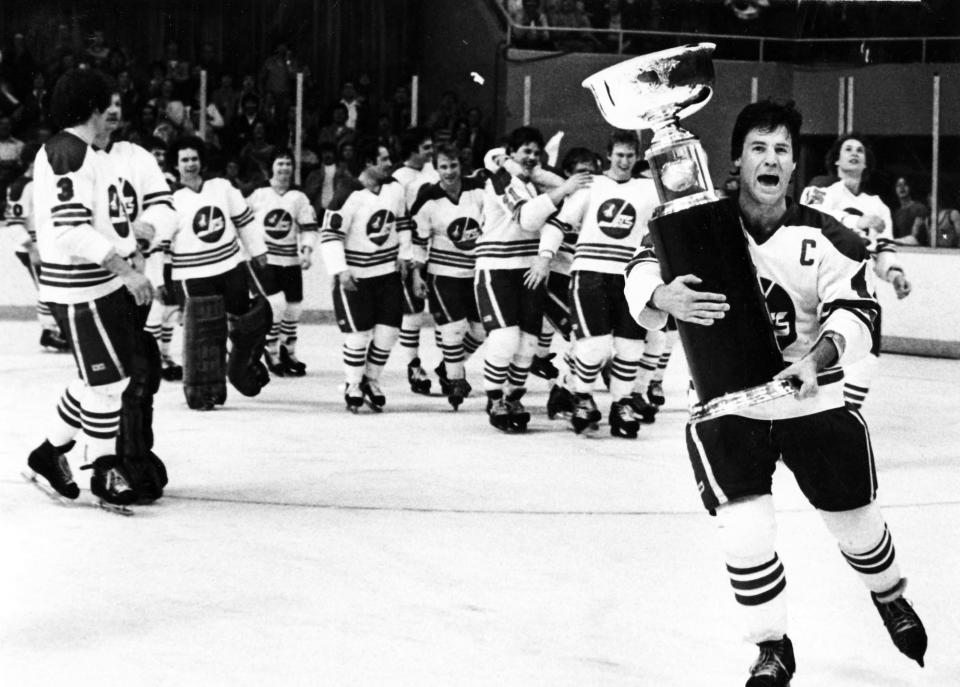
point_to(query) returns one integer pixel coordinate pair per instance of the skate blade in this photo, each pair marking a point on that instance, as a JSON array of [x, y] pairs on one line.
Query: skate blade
[[589, 431], [374, 407], [33, 478]]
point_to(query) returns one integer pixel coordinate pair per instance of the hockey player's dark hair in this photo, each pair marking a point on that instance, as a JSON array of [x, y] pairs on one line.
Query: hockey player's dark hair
[[523, 135], [29, 153], [623, 137], [833, 155], [368, 152], [280, 153], [152, 143], [577, 155], [448, 150], [183, 143], [411, 139], [78, 94], [766, 115]]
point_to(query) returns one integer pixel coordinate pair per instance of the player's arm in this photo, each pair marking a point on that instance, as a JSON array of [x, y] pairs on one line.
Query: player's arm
[[251, 234], [423, 225], [334, 225], [307, 222], [158, 215]]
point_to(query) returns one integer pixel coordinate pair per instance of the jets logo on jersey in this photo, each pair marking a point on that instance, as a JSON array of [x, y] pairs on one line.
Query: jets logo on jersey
[[463, 232], [616, 218], [209, 224], [118, 214], [278, 223], [783, 314], [379, 226], [130, 200]]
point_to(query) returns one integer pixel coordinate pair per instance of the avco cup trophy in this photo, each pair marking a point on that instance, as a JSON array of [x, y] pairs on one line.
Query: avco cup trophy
[[694, 231]]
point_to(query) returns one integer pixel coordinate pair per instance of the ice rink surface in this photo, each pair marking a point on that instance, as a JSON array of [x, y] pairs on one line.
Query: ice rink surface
[[300, 545]]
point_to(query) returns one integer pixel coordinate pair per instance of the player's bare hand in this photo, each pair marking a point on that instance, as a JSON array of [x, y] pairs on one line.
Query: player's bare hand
[[901, 285], [813, 195], [159, 293], [418, 285], [537, 273], [870, 223], [259, 261], [139, 286], [687, 304], [575, 182], [405, 266], [347, 281], [805, 372], [144, 232]]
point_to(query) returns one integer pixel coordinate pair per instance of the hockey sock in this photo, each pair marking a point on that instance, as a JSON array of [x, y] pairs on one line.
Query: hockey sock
[[591, 354], [166, 338], [384, 338], [519, 367], [451, 345], [45, 317], [544, 340], [473, 339], [866, 544], [623, 368], [154, 324], [410, 336], [669, 342], [100, 414], [355, 355], [289, 325], [502, 343], [278, 304], [68, 422], [748, 530]]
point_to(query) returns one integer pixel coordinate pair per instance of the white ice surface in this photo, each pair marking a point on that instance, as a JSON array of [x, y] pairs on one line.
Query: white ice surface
[[301, 545]]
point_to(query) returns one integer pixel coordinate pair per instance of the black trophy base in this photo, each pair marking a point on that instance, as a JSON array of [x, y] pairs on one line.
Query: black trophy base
[[739, 351]]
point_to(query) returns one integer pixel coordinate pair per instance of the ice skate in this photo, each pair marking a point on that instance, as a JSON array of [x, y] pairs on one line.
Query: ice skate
[[543, 367], [50, 463], [586, 416], [498, 412], [623, 421], [655, 393], [50, 338], [646, 411], [274, 364], [292, 365], [372, 394], [774, 666], [559, 402], [353, 396], [441, 372], [417, 376], [902, 622], [169, 370], [519, 417], [459, 390], [108, 483]]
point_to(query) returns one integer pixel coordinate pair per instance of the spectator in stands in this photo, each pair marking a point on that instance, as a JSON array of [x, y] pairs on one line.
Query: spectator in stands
[[909, 217], [386, 136], [248, 86], [328, 180], [10, 150], [947, 221], [568, 15], [35, 105], [242, 130], [478, 138], [347, 156], [399, 108], [337, 131], [19, 67], [130, 97], [276, 77], [157, 74], [96, 52], [178, 71], [534, 21], [226, 98], [208, 61], [443, 120], [256, 156], [354, 106]]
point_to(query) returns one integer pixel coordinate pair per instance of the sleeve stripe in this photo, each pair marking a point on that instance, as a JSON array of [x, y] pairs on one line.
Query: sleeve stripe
[[244, 218], [151, 196], [69, 206]]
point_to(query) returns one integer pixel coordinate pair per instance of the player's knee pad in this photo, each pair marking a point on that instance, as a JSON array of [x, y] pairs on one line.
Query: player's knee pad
[[385, 336], [547, 327], [293, 311], [526, 348], [412, 321], [593, 350], [655, 340], [476, 331], [630, 350], [155, 316], [748, 530], [104, 397], [357, 341], [452, 333], [278, 304], [204, 351], [855, 530], [248, 337], [502, 344]]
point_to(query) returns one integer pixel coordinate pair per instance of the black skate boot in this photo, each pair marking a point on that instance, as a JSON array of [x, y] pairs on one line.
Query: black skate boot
[[417, 376], [50, 462], [497, 411], [170, 371], [586, 416], [441, 372], [559, 402], [655, 393], [291, 364], [353, 396], [774, 666], [646, 411], [543, 367], [459, 390], [372, 394], [519, 417], [274, 364], [623, 421], [50, 338], [902, 622], [109, 483]]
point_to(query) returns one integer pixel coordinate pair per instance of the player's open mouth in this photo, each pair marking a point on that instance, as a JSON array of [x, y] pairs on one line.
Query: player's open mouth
[[768, 179]]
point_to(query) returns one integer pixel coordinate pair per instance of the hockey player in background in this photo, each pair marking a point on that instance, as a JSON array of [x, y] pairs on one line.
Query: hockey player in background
[[813, 272], [289, 226], [869, 216], [363, 232], [88, 253], [448, 216], [21, 220], [511, 300]]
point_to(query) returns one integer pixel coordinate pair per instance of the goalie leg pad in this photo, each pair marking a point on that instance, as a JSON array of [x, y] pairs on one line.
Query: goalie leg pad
[[248, 337], [204, 351]]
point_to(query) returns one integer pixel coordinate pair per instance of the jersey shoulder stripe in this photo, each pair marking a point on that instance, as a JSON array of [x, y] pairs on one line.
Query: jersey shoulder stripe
[[845, 240], [501, 181], [65, 152]]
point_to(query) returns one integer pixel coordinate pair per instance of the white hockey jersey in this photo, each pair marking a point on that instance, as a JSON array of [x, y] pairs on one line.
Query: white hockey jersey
[[80, 220], [211, 223], [450, 228], [812, 273], [283, 217], [413, 180], [607, 220], [363, 230], [513, 215], [19, 214]]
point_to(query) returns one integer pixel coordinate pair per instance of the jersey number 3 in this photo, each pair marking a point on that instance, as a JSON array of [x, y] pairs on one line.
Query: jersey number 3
[[66, 190]]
